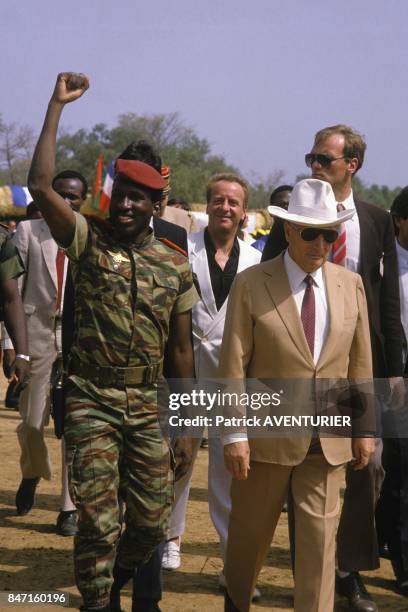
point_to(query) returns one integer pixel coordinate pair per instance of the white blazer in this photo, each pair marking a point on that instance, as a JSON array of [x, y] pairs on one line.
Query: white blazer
[[208, 322]]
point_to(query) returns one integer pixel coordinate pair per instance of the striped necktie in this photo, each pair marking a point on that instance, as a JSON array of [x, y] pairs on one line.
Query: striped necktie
[[339, 249]]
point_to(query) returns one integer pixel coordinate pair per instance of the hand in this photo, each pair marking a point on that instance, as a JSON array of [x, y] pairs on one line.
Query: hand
[[397, 395], [69, 87], [9, 356], [236, 458], [363, 448], [183, 454]]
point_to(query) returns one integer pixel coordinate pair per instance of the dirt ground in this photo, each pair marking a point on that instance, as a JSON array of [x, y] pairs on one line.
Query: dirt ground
[[34, 558]]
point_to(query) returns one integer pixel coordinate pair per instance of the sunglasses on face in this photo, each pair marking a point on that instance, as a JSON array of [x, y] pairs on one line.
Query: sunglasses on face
[[323, 160], [308, 234]]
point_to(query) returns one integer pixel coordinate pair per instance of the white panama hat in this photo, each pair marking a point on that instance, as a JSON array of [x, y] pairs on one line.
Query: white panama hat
[[312, 203]]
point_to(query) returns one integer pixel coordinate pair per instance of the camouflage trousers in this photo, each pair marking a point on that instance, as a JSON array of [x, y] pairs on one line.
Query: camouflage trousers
[[115, 445]]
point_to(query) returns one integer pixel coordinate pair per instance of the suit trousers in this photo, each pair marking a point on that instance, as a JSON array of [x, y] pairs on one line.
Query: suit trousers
[[35, 411], [256, 506], [357, 546], [219, 502]]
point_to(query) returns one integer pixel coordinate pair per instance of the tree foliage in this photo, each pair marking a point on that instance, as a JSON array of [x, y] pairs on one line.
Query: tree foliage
[[189, 157], [16, 148]]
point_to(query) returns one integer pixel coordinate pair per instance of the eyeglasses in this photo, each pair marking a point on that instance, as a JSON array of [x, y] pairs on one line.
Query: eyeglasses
[[311, 233], [323, 160]]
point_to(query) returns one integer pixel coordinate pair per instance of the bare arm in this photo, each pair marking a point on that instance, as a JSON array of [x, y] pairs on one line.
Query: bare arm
[[181, 360], [179, 346], [14, 318], [56, 210]]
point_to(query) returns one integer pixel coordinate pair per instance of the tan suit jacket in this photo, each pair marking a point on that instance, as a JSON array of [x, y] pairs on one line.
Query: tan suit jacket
[[264, 338], [180, 217]]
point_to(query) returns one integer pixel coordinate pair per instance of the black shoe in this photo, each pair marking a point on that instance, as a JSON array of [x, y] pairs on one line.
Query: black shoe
[[145, 605], [384, 551], [353, 588], [25, 495], [67, 523]]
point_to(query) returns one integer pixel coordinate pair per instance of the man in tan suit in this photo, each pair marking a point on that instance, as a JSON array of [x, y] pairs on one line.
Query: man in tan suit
[[302, 318]]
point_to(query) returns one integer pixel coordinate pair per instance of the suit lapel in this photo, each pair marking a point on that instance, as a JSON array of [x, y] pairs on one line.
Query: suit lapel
[[49, 250], [278, 287], [335, 303], [199, 263], [367, 236]]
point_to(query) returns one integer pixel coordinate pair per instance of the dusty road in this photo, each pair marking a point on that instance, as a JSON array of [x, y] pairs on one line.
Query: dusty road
[[34, 558]]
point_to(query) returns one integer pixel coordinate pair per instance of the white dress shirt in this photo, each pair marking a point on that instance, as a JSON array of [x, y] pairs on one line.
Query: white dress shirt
[[352, 236], [402, 255], [296, 277]]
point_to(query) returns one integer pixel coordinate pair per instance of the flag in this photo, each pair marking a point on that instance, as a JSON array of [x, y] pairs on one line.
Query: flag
[[96, 194], [21, 196], [107, 188]]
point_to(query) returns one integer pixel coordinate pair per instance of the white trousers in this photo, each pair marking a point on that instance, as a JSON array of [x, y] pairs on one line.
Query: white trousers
[[219, 500]]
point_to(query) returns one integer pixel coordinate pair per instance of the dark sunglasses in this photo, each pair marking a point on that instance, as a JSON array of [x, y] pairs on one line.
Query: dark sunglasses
[[323, 160], [311, 233]]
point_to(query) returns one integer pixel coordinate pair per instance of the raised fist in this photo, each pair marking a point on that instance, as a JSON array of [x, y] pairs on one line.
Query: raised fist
[[69, 87]]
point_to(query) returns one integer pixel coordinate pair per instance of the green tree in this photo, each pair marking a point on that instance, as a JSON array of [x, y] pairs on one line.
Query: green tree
[[188, 156]]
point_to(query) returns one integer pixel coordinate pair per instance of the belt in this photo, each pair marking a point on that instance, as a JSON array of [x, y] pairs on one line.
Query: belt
[[105, 376]]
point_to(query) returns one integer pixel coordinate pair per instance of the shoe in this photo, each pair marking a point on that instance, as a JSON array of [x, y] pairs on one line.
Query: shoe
[[25, 495], [384, 551], [353, 588], [171, 559], [67, 523], [145, 605], [222, 583], [402, 586]]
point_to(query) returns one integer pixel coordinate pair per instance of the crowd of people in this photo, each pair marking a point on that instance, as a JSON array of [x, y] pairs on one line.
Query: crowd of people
[[140, 298]]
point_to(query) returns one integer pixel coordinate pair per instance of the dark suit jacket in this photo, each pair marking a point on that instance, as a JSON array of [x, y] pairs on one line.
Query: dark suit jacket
[[162, 229], [379, 271]]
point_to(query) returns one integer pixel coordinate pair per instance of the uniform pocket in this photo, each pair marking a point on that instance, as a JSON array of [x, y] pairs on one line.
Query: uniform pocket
[[165, 290], [73, 481]]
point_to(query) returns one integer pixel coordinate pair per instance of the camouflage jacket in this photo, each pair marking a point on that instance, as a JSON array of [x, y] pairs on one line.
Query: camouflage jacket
[[11, 265], [124, 296]]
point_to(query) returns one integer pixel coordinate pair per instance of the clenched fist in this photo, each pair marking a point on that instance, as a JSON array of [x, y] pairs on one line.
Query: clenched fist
[[69, 87]]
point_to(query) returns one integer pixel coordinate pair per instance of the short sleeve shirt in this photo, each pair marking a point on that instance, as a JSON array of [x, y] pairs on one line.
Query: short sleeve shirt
[[11, 265], [124, 295]]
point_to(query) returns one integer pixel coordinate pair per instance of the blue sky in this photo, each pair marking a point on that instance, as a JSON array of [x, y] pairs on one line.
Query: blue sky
[[257, 79]]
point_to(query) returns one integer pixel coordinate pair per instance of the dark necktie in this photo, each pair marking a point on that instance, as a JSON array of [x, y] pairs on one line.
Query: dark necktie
[[339, 249], [60, 261], [308, 313]]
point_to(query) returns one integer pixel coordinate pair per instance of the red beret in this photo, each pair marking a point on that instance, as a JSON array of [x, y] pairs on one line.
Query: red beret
[[141, 173]]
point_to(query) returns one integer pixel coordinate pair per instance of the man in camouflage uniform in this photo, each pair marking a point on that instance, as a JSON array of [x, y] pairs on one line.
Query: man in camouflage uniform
[[11, 267], [132, 295]]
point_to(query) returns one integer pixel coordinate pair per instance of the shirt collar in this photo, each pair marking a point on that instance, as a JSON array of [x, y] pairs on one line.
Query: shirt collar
[[348, 203], [296, 275], [402, 253]]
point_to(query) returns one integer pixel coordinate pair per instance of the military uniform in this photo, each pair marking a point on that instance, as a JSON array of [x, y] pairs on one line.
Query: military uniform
[[124, 297], [11, 265]]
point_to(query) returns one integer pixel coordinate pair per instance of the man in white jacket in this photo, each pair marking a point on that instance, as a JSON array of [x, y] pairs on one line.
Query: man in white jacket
[[216, 255]]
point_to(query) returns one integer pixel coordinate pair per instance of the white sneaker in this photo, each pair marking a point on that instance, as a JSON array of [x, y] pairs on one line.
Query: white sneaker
[[171, 559], [222, 583]]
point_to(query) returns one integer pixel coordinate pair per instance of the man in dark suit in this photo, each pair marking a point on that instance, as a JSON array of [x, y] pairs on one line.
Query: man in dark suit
[[369, 249]]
